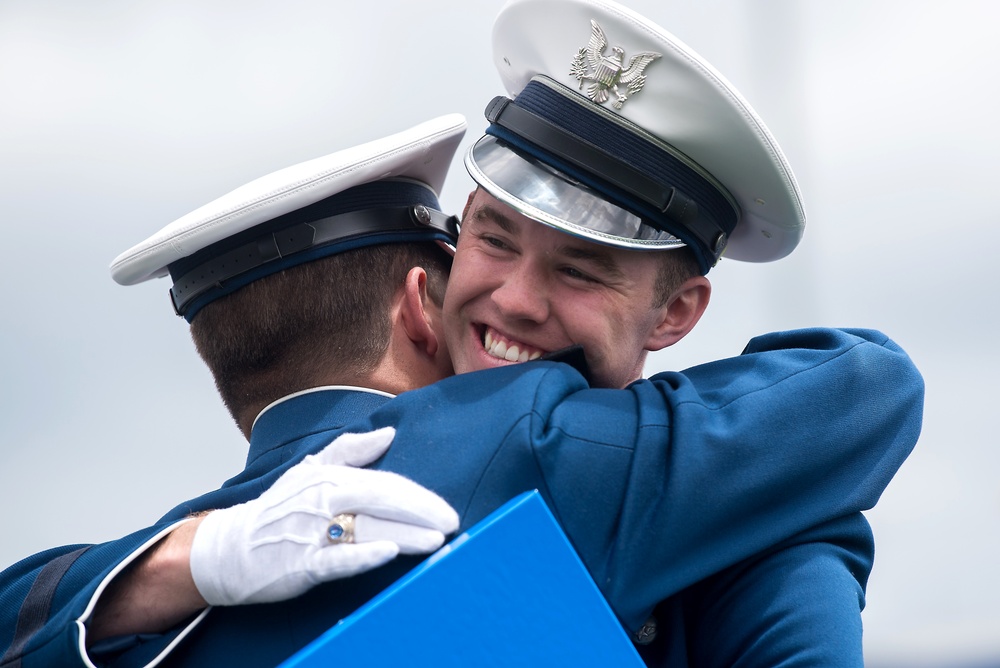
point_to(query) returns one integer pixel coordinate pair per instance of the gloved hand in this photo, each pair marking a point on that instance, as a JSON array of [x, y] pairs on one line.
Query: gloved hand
[[277, 546]]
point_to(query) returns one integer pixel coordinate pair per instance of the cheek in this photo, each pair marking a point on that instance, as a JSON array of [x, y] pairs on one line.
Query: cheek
[[459, 281], [474, 274], [612, 335], [588, 321], [453, 324]]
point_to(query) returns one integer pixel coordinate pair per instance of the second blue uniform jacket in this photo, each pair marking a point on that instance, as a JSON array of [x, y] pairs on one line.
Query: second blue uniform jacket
[[722, 503]]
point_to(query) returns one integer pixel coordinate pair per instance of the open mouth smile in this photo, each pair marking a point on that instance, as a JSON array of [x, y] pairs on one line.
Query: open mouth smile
[[499, 346]]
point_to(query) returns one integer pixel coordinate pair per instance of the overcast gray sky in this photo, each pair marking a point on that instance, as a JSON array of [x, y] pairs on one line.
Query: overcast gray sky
[[117, 117]]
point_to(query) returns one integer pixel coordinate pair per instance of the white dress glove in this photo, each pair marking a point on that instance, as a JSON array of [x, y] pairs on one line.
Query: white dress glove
[[277, 547]]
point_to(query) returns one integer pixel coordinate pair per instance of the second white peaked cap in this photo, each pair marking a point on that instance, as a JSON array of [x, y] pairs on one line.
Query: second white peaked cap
[[682, 106], [410, 168]]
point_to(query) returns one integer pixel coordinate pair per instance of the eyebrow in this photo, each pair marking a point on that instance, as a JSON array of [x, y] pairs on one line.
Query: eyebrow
[[487, 213], [598, 257]]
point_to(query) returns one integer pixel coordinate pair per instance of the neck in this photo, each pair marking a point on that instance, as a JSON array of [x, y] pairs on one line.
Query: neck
[[413, 358], [383, 378]]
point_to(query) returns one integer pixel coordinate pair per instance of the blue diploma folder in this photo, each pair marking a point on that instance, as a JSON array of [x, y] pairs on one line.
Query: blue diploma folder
[[510, 591]]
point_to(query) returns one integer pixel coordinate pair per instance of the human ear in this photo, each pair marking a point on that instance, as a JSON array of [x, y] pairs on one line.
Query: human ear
[[680, 313], [468, 204], [419, 313]]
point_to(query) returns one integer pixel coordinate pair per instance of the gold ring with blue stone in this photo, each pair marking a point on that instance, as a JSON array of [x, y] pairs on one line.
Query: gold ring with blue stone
[[341, 528]]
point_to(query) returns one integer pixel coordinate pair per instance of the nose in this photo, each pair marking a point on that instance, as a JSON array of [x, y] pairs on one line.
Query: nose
[[523, 294]]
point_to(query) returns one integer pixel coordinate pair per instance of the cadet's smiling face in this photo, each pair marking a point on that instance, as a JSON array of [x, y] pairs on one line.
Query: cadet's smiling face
[[518, 285]]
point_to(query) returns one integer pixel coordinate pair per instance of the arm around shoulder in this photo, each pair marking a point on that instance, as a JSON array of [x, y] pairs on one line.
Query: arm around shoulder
[[155, 593], [48, 601]]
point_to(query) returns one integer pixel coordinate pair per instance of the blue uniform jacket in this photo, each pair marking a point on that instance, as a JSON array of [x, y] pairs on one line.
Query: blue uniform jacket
[[722, 502]]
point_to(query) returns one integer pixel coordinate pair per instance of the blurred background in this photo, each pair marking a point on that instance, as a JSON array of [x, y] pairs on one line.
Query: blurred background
[[118, 117]]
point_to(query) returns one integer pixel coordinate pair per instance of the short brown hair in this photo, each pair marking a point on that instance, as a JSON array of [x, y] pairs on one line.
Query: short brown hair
[[286, 332], [676, 266]]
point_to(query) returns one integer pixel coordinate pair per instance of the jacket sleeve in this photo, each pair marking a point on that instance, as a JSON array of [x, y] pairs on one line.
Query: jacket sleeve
[[694, 472], [798, 604], [47, 599]]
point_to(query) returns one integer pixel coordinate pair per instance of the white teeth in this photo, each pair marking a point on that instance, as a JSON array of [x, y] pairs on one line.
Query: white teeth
[[499, 348]]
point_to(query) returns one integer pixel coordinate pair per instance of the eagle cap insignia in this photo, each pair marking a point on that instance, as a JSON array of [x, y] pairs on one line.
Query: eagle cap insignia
[[607, 72]]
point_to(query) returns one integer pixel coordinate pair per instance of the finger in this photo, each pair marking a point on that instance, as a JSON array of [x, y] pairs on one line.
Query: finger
[[356, 449], [342, 561], [411, 539], [389, 496]]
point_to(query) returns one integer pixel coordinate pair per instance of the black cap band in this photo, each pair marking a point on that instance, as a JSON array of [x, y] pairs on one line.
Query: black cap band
[[269, 247]]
